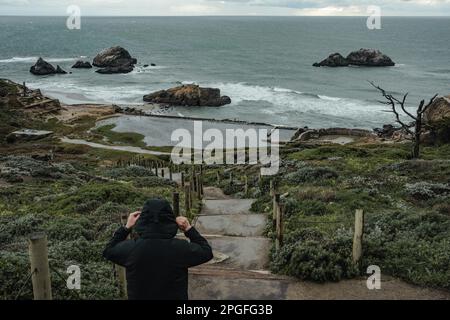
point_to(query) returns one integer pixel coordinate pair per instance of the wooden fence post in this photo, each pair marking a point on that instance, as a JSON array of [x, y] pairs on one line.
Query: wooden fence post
[[42, 286], [199, 186], [121, 271], [276, 203], [272, 189], [358, 236], [162, 173], [191, 188], [176, 204], [182, 179], [187, 200], [170, 172], [218, 176], [279, 228], [246, 185]]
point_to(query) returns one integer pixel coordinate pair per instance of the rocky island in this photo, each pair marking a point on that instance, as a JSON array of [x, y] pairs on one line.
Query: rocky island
[[189, 95], [43, 68], [114, 60], [361, 57]]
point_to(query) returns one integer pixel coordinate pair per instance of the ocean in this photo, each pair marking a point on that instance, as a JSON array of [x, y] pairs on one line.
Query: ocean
[[263, 63]]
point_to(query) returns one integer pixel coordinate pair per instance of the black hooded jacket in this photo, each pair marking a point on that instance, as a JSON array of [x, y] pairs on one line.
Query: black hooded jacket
[[157, 263]]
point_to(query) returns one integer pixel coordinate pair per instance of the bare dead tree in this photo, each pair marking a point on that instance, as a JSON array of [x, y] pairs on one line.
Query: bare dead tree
[[417, 120]]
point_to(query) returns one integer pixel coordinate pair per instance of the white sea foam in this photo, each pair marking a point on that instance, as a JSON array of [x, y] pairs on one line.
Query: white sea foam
[[85, 93], [34, 59], [281, 101]]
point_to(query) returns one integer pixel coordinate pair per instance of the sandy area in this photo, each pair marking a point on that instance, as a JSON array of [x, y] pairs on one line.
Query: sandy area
[[71, 113]]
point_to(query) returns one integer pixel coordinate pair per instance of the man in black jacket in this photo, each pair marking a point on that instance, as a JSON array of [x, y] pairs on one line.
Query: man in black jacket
[[156, 262]]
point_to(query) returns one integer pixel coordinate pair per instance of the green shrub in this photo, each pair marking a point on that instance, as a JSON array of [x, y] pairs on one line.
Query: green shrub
[[305, 207], [68, 228], [95, 193], [150, 182], [13, 227], [425, 190], [14, 276], [312, 174], [126, 173], [316, 260]]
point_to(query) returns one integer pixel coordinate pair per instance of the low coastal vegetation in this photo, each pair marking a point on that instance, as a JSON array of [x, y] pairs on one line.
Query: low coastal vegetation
[[406, 205]]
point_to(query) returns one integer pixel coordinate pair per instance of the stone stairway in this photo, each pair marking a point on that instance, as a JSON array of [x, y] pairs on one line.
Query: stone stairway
[[235, 233]]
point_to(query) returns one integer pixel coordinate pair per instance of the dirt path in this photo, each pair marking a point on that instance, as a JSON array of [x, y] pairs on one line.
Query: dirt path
[[240, 270]]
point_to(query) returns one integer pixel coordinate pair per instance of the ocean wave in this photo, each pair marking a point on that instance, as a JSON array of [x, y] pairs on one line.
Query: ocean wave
[[34, 59], [148, 69], [74, 92], [275, 102]]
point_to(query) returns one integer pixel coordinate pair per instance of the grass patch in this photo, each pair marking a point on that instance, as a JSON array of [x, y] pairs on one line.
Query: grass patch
[[120, 138]]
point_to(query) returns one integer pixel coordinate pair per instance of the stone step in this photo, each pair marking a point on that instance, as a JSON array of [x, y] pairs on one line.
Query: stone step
[[227, 206], [244, 225], [250, 253], [215, 283]]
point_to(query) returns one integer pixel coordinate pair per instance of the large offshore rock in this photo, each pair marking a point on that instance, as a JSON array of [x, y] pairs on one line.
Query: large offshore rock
[[113, 57], [370, 58], [42, 68], [333, 60], [189, 95]]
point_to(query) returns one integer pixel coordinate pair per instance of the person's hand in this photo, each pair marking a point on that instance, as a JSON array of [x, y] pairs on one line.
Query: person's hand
[[183, 224], [132, 218]]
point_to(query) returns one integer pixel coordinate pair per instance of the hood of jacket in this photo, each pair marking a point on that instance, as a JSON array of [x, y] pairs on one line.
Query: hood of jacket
[[157, 220]]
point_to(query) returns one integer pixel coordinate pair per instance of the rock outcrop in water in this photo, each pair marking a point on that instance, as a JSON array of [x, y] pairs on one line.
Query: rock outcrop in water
[[114, 60], [361, 57], [82, 65], [369, 57], [59, 70], [189, 95], [333, 60], [42, 68]]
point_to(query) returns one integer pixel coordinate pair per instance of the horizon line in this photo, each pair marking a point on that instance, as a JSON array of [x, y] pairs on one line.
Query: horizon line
[[211, 16]]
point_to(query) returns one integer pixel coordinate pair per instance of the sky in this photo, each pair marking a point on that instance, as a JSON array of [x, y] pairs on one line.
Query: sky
[[226, 7]]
